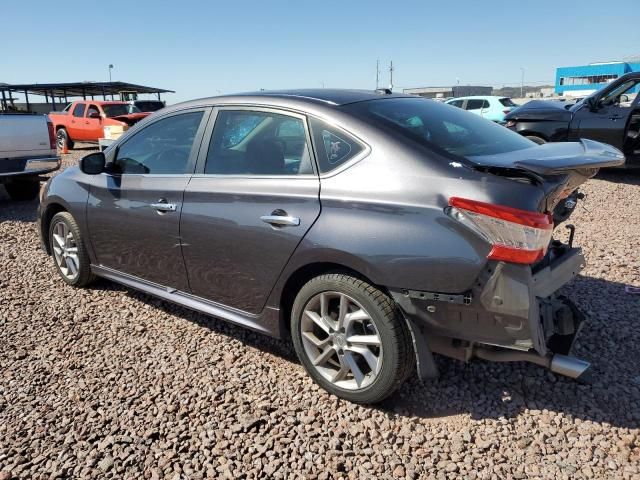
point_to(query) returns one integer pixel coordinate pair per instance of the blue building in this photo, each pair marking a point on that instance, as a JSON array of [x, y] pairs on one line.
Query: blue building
[[586, 79]]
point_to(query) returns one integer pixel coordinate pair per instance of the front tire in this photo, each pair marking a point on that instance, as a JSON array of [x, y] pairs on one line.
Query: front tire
[[24, 189], [68, 250], [62, 139], [350, 338]]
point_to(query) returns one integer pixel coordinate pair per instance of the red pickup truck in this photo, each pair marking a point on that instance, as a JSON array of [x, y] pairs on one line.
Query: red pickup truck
[[84, 121]]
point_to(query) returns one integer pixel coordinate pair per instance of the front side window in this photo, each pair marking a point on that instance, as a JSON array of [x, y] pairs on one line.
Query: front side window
[[163, 147], [456, 103], [333, 146], [78, 110], [92, 109], [439, 127], [247, 142], [619, 94], [476, 104]]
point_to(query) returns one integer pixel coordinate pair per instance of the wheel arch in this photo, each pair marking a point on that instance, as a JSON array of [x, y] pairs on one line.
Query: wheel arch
[[296, 280], [45, 221]]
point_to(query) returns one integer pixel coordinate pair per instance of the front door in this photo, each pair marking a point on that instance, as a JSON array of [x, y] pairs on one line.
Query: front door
[[608, 122], [134, 211], [253, 198], [93, 127]]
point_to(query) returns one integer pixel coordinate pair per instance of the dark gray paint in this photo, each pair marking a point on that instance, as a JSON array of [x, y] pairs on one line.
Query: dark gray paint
[[381, 215]]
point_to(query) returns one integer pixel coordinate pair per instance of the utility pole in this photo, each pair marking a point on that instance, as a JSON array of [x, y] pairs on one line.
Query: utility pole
[[377, 74], [391, 76], [522, 83]]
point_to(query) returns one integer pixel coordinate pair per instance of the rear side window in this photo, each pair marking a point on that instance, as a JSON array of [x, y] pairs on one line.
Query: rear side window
[[334, 147], [161, 148], [78, 110]]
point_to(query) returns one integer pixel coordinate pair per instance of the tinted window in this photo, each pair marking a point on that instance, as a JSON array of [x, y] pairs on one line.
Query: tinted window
[[507, 102], [92, 109], [457, 103], [476, 104], [258, 143], [146, 106], [439, 127], [161, 148], [116, 109], [78, 110], [333, 146]]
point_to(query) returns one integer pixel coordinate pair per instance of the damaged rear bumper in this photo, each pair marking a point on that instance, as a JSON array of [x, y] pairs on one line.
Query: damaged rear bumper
[[511, 308]]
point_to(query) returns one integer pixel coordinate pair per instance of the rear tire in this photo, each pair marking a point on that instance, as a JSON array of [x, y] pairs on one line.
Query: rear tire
[[62, 139], [365, 356], [536, 139], [23, 189], [68, 250]]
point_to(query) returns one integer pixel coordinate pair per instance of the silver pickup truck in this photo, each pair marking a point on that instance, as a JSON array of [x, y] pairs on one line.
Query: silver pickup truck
[[27, 150]]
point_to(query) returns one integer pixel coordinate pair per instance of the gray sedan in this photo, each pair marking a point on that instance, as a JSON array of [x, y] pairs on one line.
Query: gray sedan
[[373, 229]]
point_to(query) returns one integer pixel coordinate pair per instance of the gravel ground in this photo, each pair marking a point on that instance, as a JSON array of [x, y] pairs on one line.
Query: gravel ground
[[108, 382]]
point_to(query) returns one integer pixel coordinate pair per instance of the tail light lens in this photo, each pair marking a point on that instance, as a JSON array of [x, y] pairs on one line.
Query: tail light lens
[[52, 136], [516, 236]]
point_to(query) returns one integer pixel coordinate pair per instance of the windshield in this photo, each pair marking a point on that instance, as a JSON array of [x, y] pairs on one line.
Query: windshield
[[441, 127], [117, 109]]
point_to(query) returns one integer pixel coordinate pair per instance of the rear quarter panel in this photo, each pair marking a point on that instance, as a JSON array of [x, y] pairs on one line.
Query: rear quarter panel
[[384, 218]]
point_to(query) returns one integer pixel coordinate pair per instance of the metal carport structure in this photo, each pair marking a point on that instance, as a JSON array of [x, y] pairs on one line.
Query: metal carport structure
[[62, 91]]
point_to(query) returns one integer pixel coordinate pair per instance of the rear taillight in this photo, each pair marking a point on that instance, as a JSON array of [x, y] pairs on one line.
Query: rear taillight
[[52, 136], [516, 236]]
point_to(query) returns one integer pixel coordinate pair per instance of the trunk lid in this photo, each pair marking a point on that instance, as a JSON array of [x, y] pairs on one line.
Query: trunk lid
[[559, 168]]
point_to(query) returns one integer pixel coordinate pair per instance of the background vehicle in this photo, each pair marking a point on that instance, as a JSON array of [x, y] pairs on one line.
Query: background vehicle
[[491, 108], [84, 121], [136, 106], [405, 227], [27, 150], [610, 115]]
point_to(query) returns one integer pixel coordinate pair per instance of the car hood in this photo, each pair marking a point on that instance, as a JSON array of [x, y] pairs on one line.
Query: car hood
[[541, 110]]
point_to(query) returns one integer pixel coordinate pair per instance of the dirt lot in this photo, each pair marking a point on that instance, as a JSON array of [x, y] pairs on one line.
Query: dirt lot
[[108, 382]]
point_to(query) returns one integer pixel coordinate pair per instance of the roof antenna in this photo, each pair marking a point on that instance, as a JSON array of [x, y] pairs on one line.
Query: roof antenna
[[391, 76], [377, 74]]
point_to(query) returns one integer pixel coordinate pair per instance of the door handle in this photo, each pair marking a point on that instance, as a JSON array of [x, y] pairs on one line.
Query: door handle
[[164, 206], [280, 220]]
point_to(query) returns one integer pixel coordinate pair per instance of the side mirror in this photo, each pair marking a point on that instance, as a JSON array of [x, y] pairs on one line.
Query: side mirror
[[93, 164], [593, 103], [624, 98], [94, 115]]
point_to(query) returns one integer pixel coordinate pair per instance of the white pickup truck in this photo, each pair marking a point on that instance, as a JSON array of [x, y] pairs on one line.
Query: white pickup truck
[[27, 150]]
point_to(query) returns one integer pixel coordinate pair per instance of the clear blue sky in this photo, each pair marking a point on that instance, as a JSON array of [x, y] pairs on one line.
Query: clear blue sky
[[202, 48]]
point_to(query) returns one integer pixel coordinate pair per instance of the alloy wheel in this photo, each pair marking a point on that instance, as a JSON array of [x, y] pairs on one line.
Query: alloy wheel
[[341, 340], [65, 250], [61, 139]]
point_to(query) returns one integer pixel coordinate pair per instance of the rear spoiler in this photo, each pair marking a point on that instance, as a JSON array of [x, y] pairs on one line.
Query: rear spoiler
[[556, 158]]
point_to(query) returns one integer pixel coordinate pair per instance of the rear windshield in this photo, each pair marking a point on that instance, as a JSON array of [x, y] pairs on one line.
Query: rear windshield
[[148, 106], [507, 102], [440, 126], [117, 109]]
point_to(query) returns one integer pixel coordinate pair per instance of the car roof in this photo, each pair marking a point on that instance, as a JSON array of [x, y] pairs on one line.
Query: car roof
[[320, 97], [478, 97]]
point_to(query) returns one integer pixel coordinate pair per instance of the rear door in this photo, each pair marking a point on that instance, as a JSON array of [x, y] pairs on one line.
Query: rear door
[[476, 105], [76, 122], [134, 212], [254, 196], [609, 122]]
